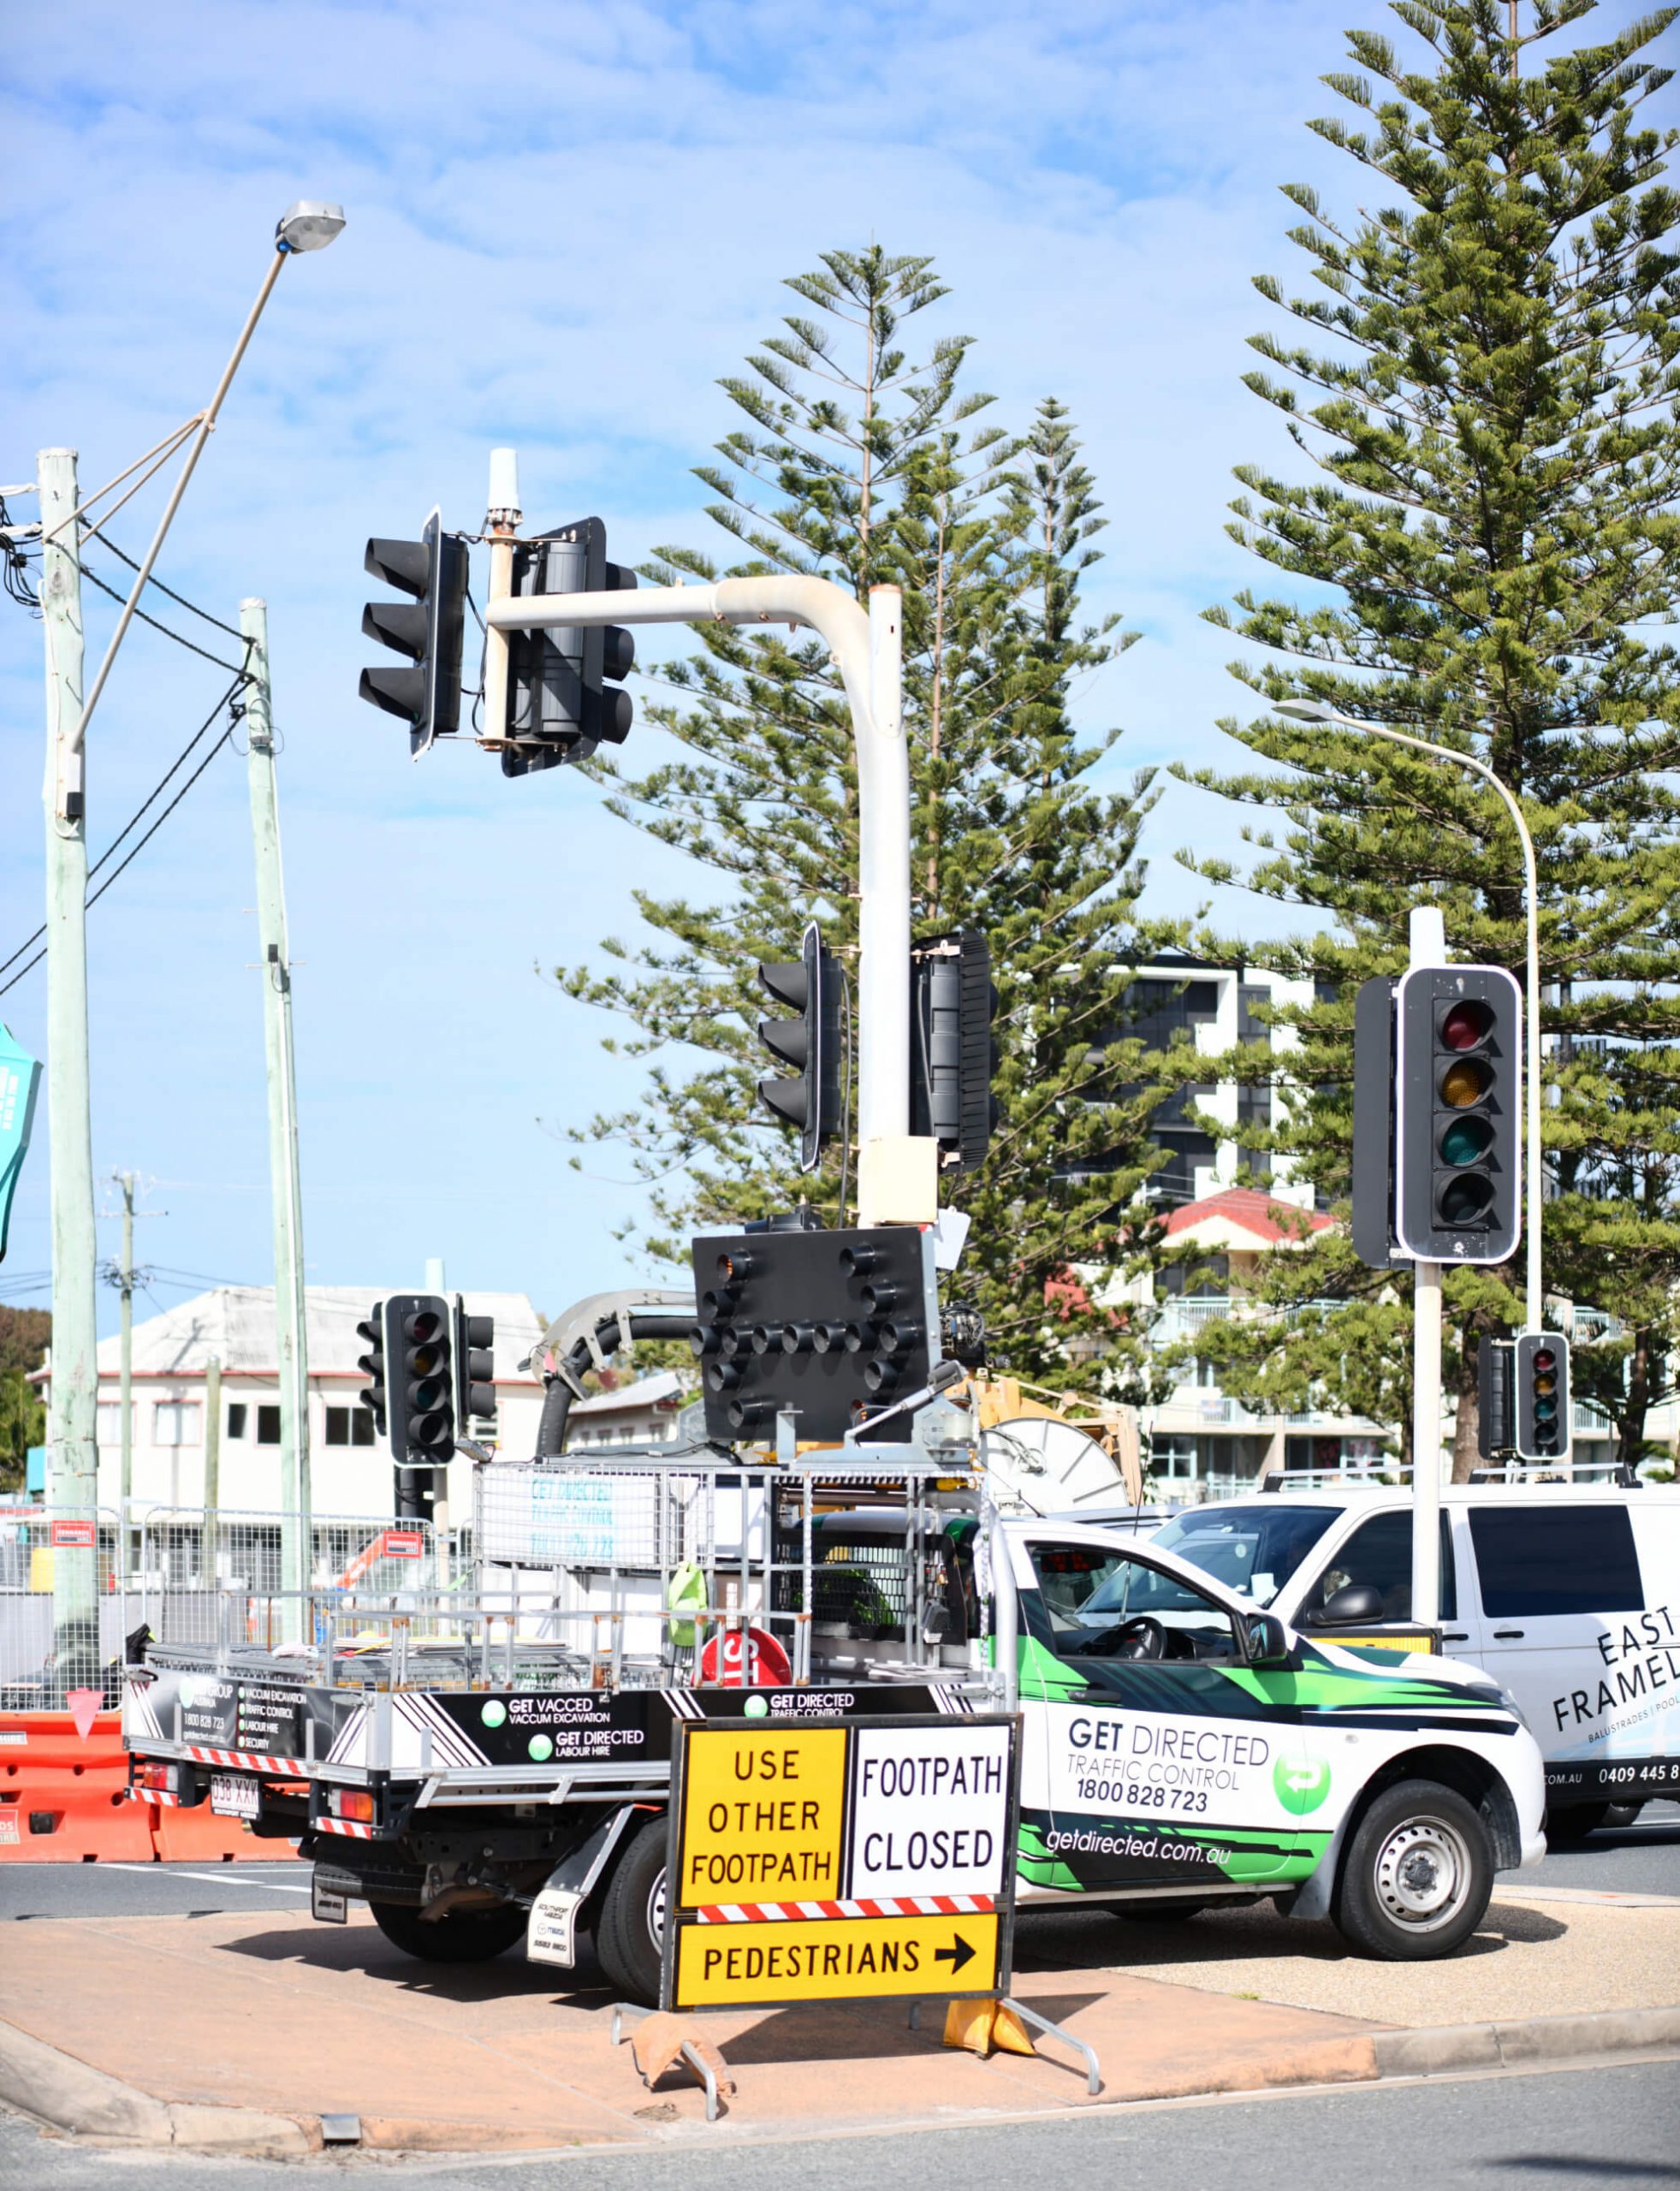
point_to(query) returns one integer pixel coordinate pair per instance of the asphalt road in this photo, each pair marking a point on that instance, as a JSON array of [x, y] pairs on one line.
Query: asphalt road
[[1641, 1859], [1558, 2130]]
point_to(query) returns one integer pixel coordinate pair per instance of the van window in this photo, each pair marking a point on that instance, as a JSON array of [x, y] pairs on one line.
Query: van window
[[1255, 1549], [1379, 1552], [1556, 1559]]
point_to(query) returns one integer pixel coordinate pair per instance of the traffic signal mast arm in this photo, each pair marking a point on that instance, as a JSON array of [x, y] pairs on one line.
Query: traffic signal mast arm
[[867, 649]]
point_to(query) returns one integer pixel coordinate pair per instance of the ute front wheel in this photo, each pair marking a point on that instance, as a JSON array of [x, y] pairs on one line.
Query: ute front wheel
[[1418, 1873]]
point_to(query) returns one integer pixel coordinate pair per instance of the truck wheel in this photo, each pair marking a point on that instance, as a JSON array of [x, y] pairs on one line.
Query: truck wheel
[[1571, 1823], [462, 1936], [1418, 1873], [630, 1932]]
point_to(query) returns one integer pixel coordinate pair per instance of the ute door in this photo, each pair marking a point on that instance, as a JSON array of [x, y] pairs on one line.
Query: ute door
[[1171, 1763]]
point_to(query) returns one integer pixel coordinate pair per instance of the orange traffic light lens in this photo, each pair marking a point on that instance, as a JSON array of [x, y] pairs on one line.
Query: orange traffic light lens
[[1465, 1081]]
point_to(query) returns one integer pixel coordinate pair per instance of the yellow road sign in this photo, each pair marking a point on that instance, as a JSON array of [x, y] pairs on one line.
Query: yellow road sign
[[834, 1959], [763, 1814]]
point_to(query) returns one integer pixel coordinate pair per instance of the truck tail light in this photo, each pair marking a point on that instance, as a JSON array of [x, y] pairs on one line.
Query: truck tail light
[[154, 1775], [352, 1804]]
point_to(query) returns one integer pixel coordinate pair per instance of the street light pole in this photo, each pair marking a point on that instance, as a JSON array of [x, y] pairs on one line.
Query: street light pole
[[290, 1301], [1315, 711]]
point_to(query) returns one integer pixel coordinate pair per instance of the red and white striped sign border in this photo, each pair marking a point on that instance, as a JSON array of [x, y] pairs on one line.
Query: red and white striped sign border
[[243, 1761], [350, 1827], [886, 1905]]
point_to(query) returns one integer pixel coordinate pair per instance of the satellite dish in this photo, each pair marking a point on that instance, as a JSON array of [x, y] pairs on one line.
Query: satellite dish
[[1037, 1465]]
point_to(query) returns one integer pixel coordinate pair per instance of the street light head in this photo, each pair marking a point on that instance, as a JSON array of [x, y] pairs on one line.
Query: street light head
[[310, 224], [1305, 711]]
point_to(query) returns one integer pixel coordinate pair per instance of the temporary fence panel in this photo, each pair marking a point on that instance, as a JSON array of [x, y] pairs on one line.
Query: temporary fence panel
[[63, 1615]]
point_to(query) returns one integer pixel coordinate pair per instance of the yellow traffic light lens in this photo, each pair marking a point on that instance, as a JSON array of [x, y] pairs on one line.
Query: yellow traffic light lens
[[1464, 1082]]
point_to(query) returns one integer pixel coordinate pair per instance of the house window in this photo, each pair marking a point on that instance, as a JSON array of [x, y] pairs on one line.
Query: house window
[[267, 1426], [110, 1422], [237, 1415], [349, 1426], [176, 1422]]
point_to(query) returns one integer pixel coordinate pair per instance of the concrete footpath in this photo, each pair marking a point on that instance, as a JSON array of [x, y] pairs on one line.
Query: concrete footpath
[[242, 2031]]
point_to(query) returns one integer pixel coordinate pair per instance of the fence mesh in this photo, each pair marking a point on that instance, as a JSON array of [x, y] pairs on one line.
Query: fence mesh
[[63, 1614]]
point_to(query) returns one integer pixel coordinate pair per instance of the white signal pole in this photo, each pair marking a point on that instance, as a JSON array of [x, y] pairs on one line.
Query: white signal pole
[[868, 651], [1428, 948]]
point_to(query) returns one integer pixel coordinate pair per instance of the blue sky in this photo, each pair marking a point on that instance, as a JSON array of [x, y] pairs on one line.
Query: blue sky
[[565, 223]]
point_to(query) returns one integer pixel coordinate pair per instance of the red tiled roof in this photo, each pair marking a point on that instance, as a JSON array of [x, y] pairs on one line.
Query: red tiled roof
[[1259, 1214]]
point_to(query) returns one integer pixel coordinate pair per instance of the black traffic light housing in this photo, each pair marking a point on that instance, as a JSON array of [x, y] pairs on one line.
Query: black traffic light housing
[[952, 1055], [811, 1100], [560, 703], [433, 571], [1457, 1141], [472, 1340], [1542, 1409], [1496, 1396], [371, 1332], [829, 1324], [1373, 1227], [420, 1397]]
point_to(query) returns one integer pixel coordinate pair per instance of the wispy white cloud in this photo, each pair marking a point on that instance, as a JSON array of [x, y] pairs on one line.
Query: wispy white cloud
[[565, 222]]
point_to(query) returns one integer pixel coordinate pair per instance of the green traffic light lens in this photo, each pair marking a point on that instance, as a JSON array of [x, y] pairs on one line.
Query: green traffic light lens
[[1466, 1141]]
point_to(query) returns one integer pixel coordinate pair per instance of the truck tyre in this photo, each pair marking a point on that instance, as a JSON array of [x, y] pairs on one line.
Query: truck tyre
[[1417, 1874], [1570, 1823], [462, 1936], [630, 1932]]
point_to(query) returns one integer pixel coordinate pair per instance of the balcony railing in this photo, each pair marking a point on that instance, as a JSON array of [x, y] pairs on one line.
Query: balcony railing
[[1182, 1317]]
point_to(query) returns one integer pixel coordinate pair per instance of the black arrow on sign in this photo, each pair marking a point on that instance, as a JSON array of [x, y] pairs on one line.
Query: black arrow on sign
[[957, 1954]]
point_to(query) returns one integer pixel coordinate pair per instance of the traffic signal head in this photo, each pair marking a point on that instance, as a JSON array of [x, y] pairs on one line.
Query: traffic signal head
[[472, 1340], [828, 1324], [420, 1378], [1542, 1395], [1458, 1143], [952, 1056], [428, 630], [371, 1333], [562, 702], [811, 1099]]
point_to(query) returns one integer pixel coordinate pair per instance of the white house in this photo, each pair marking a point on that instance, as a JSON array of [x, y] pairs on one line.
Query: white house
[[235, 1326]]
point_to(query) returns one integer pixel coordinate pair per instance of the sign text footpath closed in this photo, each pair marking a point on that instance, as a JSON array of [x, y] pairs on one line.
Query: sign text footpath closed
[[839, 1860]]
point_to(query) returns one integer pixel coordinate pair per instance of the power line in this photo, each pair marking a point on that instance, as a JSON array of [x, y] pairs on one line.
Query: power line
[[226, 701], [233, 633], [168, 630]]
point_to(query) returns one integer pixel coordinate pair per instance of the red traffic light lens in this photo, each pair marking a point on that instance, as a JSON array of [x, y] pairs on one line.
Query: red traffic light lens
[[425, 1324], [1466, 1024], [1544, 1359]]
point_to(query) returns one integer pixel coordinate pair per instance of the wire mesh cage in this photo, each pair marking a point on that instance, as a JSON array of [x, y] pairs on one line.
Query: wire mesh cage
[[63, 1613]]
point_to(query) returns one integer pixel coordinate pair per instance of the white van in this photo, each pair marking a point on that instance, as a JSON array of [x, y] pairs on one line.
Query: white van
[[1567, 1594]]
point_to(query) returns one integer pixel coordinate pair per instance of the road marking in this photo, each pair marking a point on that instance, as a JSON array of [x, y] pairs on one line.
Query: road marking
[[216, 1879]]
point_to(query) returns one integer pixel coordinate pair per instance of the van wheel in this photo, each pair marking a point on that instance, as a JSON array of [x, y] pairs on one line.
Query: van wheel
[[1418, 1873], [630, 1933], [462, 1936], [1571, 1823]]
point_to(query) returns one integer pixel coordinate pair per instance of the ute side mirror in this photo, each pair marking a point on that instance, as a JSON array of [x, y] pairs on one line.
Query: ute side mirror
[[1267, 1640], [1355, 1604]]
